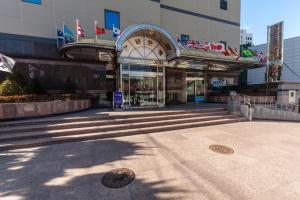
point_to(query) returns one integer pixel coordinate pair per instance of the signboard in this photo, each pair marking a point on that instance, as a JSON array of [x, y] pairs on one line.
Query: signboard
[[275, 51], [118, 100], [219, 83]]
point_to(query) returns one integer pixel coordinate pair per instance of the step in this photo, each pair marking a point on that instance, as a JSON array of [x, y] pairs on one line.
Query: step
[[110, 134], [111, 115], [105, 128], [101, 122]]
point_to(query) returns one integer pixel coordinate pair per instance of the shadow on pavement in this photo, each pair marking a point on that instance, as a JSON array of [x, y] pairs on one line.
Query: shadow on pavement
[[72, 171]]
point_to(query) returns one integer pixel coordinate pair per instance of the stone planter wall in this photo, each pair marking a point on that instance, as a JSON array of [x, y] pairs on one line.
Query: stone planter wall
[[35, 109]]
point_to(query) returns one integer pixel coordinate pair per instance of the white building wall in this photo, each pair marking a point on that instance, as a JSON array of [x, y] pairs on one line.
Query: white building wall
[[245, 37], [291, 57]]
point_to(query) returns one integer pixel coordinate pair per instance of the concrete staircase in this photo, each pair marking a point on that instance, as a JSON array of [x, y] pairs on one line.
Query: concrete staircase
[[33, 133]]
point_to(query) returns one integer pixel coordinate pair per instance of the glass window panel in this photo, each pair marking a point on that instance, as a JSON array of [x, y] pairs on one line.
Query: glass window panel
[[39, 2], [112, 18]]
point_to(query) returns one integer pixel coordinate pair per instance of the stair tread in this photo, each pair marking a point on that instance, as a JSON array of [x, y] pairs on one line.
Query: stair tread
[[126, 125], [103, 115], [108, 133], [62, 124]]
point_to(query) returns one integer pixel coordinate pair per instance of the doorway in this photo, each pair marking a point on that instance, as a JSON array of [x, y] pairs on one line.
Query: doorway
[[195, 87], [142, 86]]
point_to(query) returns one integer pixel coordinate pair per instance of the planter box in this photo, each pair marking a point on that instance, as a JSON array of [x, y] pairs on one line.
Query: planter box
[[35, 109]]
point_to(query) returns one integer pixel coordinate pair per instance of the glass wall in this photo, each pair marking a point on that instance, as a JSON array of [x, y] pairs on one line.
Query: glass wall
[[142, 86], [176, 86], [71, 78]]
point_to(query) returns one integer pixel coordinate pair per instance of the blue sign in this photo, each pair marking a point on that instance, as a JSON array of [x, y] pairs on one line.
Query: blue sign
[[118, 99]]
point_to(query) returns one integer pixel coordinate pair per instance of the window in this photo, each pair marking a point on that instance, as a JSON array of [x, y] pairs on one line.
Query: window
[[184, 38], [39, 2], [223, 4], [112, 18]]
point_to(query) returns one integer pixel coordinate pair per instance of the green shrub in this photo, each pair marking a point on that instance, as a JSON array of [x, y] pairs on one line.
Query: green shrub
[[10, 87]]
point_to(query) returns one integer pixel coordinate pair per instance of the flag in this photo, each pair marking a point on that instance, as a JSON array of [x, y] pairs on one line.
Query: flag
[[6, 63], [69, 35], [179, 42], [233, 51], [60, 38], [198, 45], [80, 31], [218, 47], [226, 52], [99, 30], [248, 52], [206, 46], [191, 44], [116, 32]]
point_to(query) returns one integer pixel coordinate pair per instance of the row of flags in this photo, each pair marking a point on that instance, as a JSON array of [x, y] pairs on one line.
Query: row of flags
[[207, 46], [6, 63], [221, 48], [66, 35]]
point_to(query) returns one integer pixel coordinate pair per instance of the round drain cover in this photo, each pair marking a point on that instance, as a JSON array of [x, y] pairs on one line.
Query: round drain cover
[[118, 178], [221, 149]]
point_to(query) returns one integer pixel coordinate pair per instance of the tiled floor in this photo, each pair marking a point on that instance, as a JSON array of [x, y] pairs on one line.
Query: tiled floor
[[168, 165]]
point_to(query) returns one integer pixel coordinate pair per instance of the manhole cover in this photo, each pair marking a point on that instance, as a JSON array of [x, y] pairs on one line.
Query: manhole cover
[[221, 149], [118, 178]]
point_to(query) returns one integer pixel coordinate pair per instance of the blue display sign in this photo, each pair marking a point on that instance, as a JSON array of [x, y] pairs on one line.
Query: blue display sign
[[118, 100]]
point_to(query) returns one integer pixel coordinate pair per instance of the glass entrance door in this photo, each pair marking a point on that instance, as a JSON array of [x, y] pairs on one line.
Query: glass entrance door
[[142, 86], [195, 87], [190, 90]]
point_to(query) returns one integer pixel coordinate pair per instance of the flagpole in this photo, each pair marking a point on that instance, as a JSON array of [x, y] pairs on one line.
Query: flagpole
[[63, 30], [113, 34], [96, 23], [77, 36]]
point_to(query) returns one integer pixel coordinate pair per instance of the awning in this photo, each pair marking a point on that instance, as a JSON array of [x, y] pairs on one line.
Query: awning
[[215, 61], [89, 50]]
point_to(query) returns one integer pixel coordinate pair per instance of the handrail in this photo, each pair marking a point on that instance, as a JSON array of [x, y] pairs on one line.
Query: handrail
[[266, 102]]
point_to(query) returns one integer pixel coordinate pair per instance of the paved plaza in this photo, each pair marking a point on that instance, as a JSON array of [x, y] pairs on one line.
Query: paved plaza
[[168, 165]]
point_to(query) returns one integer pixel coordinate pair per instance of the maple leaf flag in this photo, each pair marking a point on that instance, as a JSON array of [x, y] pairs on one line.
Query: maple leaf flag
[[80, 31]]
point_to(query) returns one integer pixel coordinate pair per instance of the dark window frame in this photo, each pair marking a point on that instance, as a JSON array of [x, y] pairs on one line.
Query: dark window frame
[[105, 22], [224, 4], [184, 35]]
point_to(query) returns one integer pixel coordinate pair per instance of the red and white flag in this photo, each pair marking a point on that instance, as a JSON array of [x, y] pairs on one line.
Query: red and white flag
[[218, 47], [80, 31]]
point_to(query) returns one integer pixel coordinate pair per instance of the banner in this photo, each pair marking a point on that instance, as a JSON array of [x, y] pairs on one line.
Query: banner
[[275, 51]]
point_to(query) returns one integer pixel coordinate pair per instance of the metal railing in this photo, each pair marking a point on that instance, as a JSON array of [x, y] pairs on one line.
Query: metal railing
[[266, 102], [269, 102]]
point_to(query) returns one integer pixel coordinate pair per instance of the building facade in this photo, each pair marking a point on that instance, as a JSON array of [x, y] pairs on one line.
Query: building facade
[[291, 68], [246, 38], [145, 63]]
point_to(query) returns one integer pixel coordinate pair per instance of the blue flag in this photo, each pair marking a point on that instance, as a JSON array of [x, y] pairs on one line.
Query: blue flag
[[116, 32], [69, 35], [60, 38]]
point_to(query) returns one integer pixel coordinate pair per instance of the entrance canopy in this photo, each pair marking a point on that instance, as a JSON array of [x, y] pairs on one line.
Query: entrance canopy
[[151, 44], [147, 41]]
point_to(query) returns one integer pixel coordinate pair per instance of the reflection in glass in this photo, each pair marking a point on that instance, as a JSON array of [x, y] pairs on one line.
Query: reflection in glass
[[142, 86]]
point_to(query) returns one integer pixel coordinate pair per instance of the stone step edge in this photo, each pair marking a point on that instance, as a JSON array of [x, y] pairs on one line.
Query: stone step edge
[[43, 127], [128, 126], [101, 116], [107, 135]]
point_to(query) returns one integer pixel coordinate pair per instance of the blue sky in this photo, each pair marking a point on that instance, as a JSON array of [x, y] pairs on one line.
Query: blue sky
[[258, 14]]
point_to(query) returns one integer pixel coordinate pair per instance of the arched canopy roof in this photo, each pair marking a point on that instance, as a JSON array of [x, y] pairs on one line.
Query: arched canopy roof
[[164, 38]]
